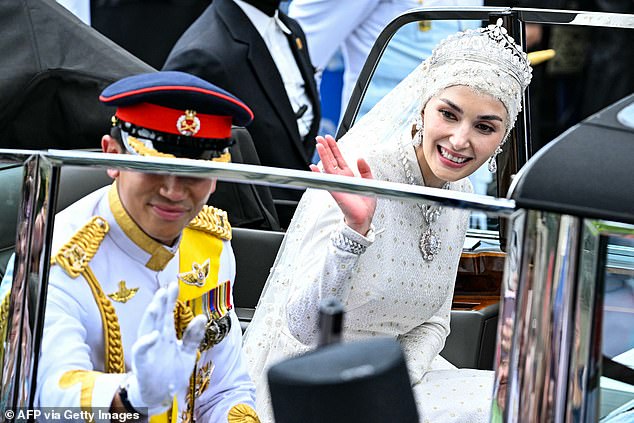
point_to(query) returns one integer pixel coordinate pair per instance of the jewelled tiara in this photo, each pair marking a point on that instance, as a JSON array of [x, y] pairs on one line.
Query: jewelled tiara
[[486, 59], [491, 45]]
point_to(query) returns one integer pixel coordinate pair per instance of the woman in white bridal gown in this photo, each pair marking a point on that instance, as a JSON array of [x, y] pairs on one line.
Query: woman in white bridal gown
[[393, 263]]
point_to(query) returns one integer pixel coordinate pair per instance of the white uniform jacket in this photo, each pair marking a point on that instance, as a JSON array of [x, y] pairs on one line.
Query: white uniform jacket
[[105, 272]]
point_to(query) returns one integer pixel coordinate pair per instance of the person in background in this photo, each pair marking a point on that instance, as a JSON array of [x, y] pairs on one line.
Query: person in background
[[139, 313], [391, 263], [353, 27], [257, 52]]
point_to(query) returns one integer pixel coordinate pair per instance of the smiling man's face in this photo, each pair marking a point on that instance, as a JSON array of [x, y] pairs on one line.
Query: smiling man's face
[[161, 205]]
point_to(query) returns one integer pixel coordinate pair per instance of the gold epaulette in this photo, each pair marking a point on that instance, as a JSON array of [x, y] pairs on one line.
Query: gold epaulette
[[75, 255], [213, 221]]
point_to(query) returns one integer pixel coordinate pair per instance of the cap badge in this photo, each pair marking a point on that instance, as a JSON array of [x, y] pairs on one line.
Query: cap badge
[[188, 124]]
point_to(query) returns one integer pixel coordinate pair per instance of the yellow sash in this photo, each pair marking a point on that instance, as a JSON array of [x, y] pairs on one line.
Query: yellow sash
[[165, 418], [196, 249]]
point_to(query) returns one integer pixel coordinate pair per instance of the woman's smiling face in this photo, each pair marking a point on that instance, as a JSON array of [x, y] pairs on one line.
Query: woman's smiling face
[[462, 129]]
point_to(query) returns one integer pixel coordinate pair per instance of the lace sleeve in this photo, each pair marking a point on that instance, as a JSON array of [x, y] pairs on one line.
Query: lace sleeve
[[324, 272]]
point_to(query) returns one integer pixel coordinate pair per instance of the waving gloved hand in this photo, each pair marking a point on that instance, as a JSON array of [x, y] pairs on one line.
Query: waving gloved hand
[[161, 363]]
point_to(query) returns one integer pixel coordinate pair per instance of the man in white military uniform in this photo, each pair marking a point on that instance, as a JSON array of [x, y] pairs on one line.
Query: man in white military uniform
[[139, 315]]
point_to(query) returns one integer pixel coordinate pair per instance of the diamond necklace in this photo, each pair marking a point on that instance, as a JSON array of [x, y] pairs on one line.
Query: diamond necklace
[[429, 243]]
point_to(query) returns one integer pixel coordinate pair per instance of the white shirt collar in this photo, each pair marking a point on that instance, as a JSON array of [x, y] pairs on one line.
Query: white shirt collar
[[261, 20]]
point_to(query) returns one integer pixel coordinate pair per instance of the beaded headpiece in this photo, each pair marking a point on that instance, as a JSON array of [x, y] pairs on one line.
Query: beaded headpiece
[[485, 59]]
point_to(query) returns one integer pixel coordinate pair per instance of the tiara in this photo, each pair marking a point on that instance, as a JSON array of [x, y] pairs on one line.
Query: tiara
[[491, 46]]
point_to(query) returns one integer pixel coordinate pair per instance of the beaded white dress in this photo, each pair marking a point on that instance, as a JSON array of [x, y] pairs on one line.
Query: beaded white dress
[[389, 290]]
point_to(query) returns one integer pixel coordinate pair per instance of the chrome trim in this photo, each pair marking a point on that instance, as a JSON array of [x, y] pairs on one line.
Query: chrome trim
[[30, 275], [519, 145], [263, 175], [582, 404], [540, 311], [575, 17], [49, 180], [504, 407], [9, 155], [548, 357]]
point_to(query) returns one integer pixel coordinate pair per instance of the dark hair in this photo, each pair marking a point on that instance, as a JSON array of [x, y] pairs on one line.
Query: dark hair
[[115, 132]]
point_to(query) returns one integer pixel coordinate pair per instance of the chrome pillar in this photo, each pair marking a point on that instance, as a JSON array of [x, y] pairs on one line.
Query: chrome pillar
[[28, 289], [537, 319], [582, 403]]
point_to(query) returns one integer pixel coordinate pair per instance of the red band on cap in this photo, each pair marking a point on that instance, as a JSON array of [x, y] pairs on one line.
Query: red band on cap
[[177, 122]]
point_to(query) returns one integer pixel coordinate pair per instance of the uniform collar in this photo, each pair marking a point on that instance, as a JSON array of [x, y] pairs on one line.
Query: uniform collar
[[153, 254]]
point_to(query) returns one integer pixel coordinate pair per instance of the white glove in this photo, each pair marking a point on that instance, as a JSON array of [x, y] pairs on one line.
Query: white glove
[[162, 364]]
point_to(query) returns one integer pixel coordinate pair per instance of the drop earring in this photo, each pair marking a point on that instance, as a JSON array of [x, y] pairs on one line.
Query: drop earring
[[493, 166], [418, 126]]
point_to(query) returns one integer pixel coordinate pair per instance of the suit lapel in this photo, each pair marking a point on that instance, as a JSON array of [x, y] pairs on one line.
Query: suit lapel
[[298, 47], [262, 65]]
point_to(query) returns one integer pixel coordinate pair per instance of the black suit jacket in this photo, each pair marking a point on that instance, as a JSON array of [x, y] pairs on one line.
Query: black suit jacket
[[223, 47], [247, 206]]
